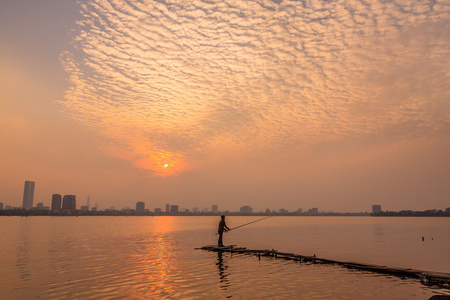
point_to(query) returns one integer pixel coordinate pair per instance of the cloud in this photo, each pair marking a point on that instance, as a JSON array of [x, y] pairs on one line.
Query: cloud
[[176, 81]]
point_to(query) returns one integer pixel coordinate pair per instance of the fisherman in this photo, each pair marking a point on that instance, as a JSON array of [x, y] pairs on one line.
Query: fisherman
[[222, 227]]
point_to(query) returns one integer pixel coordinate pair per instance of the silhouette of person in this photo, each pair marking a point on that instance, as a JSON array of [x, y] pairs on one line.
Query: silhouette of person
[[222, 227]]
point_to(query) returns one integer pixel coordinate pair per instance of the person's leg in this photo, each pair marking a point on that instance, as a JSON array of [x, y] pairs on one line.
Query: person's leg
[[220, 239]]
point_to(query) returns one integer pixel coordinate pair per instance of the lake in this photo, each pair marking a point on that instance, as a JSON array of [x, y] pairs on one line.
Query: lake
[[154, 257]]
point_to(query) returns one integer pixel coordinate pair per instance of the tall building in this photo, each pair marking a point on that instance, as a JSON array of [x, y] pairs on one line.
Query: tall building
[[140, 207], [167, 207], [376, 208], [69, 202], [88, 202], [1, 206], [214, 208], [28, 194], [174, 208], [246, 209], [56, 202]]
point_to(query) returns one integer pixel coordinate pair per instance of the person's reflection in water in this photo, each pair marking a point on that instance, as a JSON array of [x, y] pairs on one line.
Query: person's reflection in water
[[223, 274]]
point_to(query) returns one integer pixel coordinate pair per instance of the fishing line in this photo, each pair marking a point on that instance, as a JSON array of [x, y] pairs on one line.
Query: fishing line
[[248, 223]]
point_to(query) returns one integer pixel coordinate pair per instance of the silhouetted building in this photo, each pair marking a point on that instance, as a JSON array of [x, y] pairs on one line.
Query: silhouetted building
[[376, 208], [28, 194], [1, 206], [246, 209], [140, 207], [69, 203], [167, 207], [40, 205], [313, 211], [94, 208], [299, 210], [88, 202], [214, 208], [283, 211], [84, 208], [174, 208], [195, 209], [157, 210], [56, 202]]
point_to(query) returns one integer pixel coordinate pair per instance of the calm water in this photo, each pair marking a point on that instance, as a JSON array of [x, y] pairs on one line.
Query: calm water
[[154, 257]]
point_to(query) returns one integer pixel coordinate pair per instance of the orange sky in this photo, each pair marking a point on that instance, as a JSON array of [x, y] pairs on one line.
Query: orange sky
[[273, 104]]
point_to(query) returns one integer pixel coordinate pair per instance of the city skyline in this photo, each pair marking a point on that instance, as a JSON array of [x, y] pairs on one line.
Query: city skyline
[[68, 203], [336, 105]]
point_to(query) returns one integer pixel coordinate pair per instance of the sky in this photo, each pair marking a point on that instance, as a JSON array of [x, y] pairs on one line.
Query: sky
[[275, 104]]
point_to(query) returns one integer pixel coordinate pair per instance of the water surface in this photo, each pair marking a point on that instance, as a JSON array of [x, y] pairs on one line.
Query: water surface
[[154, 257]]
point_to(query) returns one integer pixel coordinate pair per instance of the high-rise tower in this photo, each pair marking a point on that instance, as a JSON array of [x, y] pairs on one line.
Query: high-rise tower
[[69, 203], [56, 202], [28, 194]]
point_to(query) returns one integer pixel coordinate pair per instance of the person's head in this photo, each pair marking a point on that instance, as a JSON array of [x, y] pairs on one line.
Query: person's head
[[222, 217]]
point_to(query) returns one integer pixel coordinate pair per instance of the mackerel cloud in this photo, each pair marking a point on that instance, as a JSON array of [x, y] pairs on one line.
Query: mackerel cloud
[[175, 82]]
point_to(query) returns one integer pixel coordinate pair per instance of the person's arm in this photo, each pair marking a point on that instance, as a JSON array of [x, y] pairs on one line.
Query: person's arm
[[226, 227]]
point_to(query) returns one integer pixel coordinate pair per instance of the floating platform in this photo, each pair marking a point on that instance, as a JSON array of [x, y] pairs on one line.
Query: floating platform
[[426, 277]]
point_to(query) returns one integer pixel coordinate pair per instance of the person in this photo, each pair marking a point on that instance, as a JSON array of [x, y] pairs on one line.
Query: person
[[222, 227]]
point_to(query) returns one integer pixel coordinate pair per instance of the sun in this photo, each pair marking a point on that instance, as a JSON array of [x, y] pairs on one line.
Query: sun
[[166, 165]]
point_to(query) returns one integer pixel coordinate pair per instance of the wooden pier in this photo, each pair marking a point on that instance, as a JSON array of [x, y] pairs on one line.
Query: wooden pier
[[426, 277]]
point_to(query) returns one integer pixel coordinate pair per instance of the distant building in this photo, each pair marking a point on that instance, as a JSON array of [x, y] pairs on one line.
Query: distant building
[[376, 208], [40, 205], [167, 207], [1, 206], [447, 210], [195, 209], [94, 208], [88, 202], [214, 208], [314, 211], [28, 194], [283, 211], [174, 208], [268, 211], [299, 210], [246, 210], [56, 202], [157, 210], [84, 208], [69, 203], [140, 207]]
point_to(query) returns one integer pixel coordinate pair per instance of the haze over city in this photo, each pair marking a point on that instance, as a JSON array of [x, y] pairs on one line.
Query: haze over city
[[274, 104]]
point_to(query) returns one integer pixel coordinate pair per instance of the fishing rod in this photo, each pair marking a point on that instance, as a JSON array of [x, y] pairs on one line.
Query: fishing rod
[[250, 223]]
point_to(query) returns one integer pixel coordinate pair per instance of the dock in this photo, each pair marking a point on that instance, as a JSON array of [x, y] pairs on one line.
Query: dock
[[426, 277]]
